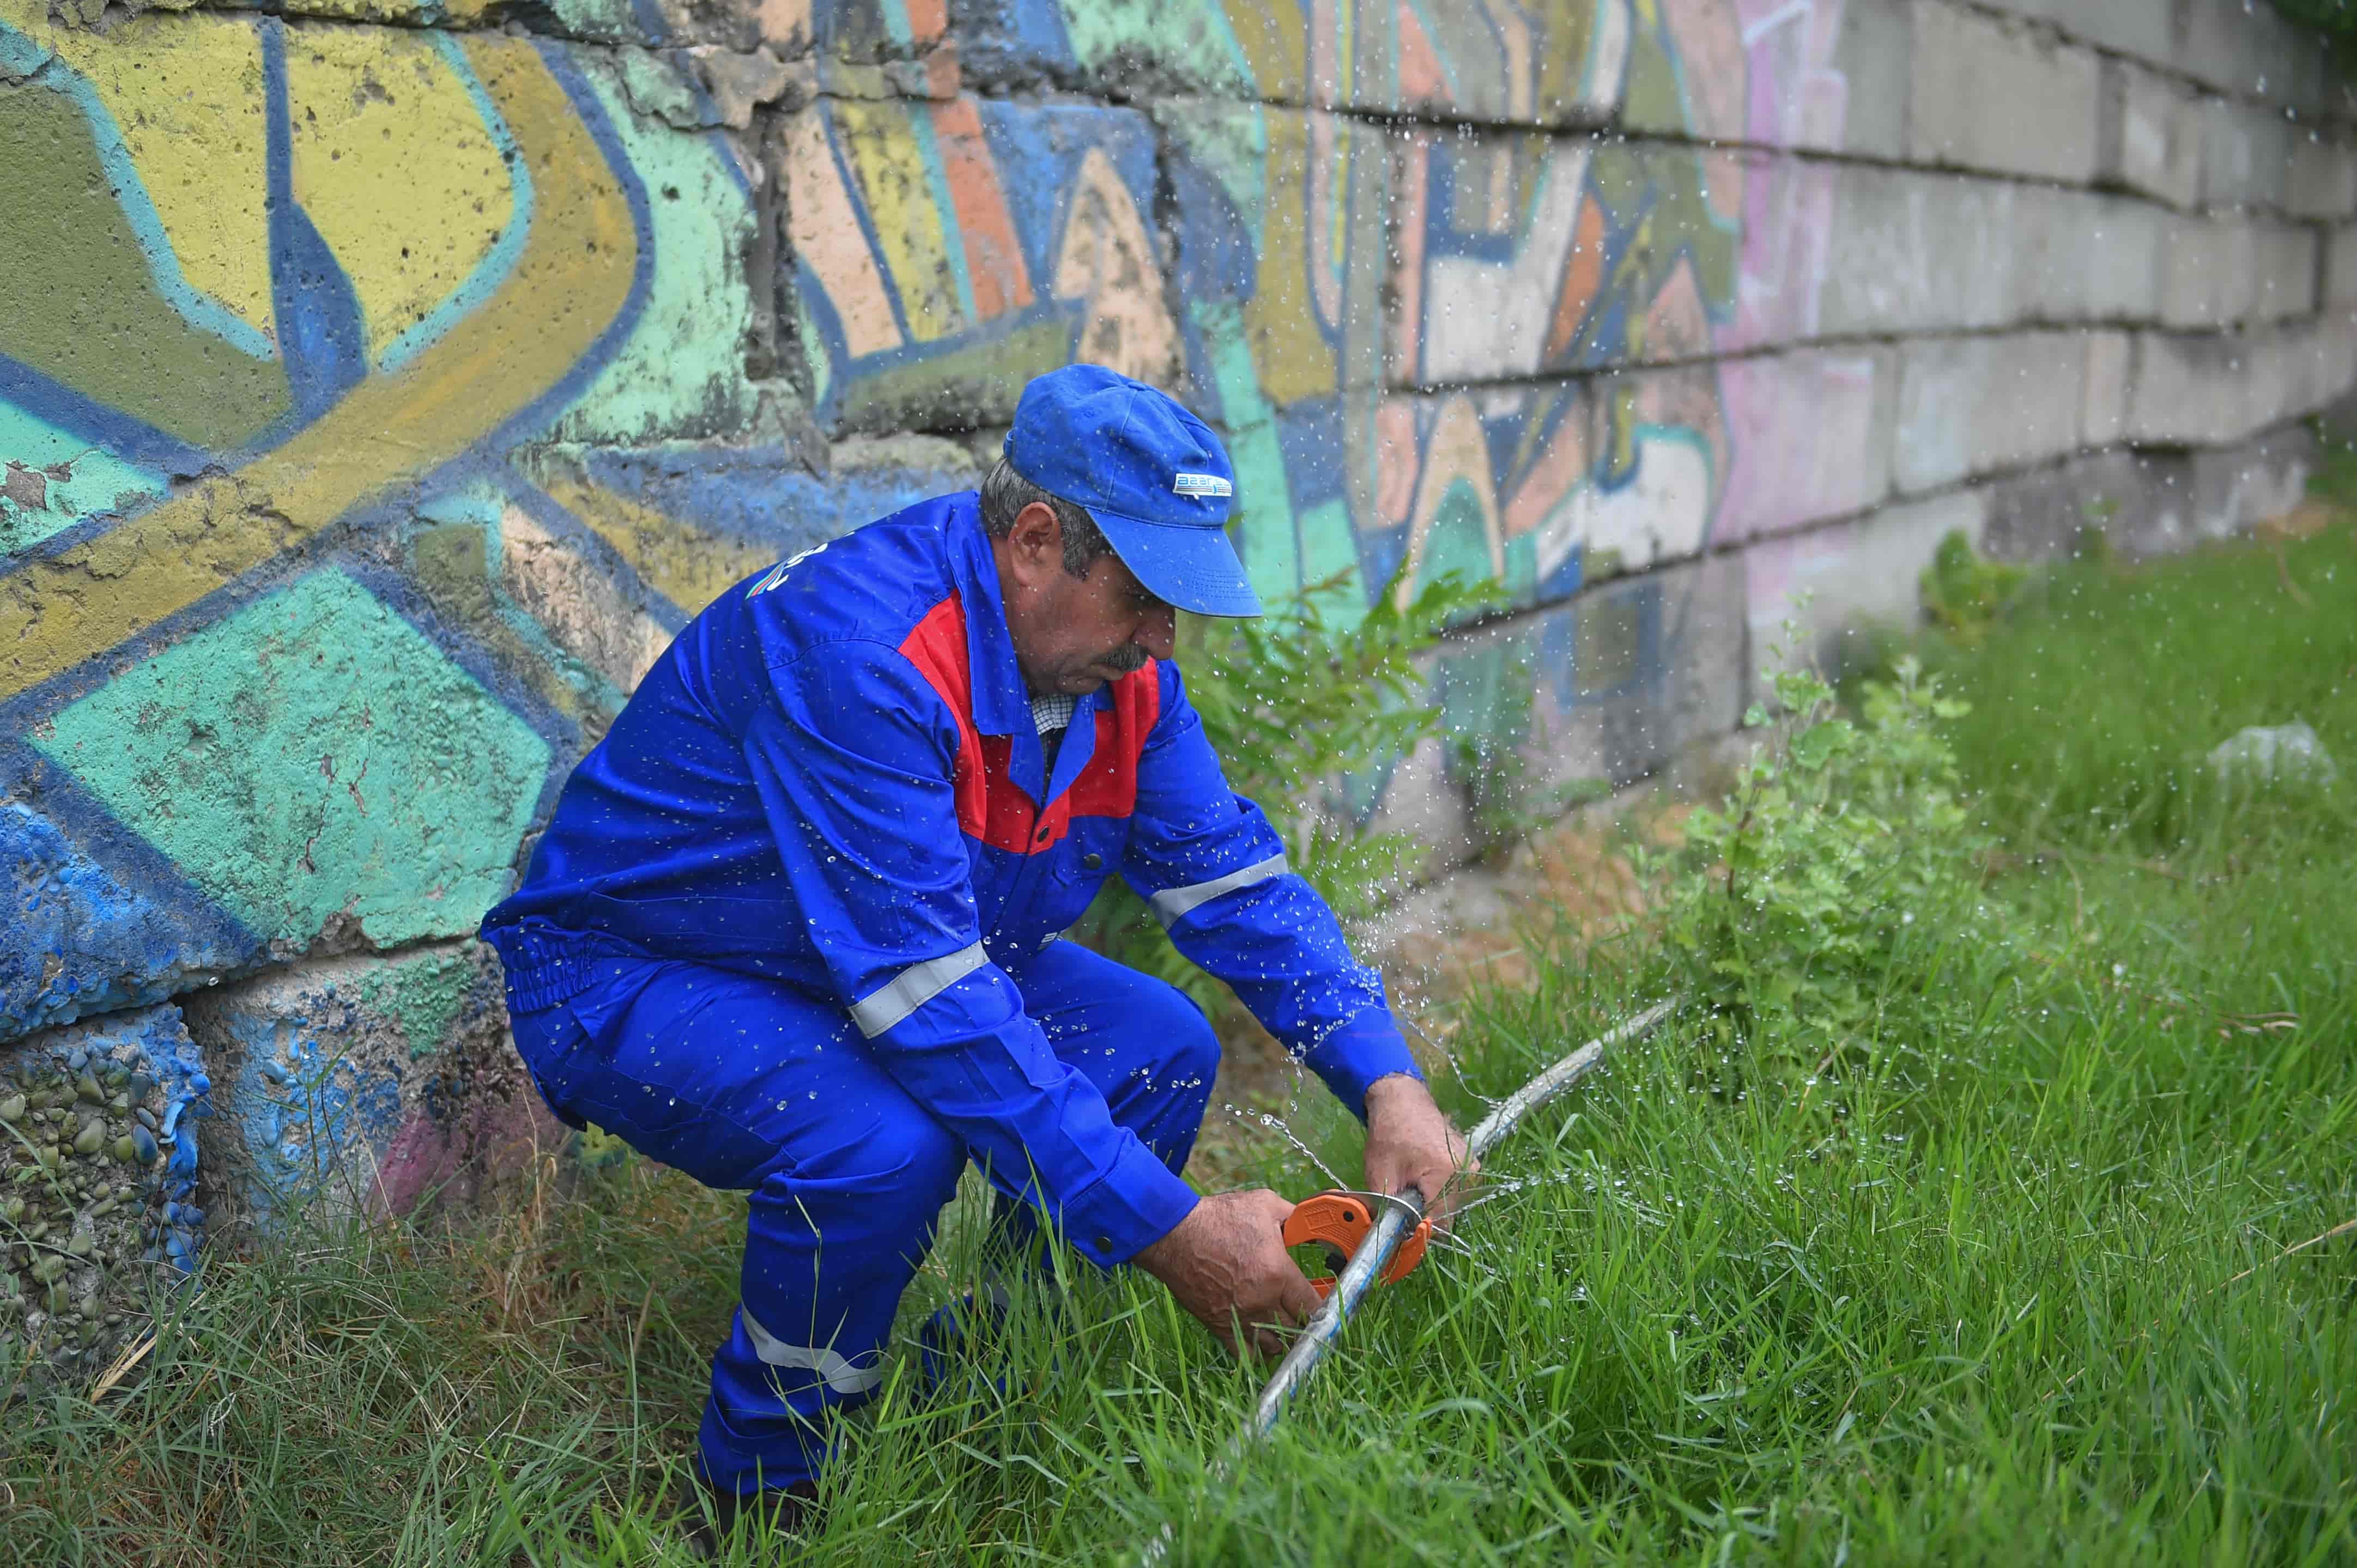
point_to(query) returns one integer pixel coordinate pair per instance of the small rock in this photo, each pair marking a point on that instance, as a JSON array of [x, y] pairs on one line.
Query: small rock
[[91, 1136], [2265, 754], [86, 1088], [12, 1110], [124, 1149]]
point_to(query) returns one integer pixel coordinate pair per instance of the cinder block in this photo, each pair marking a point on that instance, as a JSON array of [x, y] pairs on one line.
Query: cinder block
[[2247, 51], [1622, 678], [2341, 266], [1811, 433], [1836, 583], [1806, 87], [1915, 251], [2151, 135], [97, 1182], [2322, 179], [1974, 405], [2208, 270], [81, 941], [2139, 500], [2190, 389], [366, 1086], [1965, 64], [2104, 388], [2245, 155], [657, 24], [2080, 256], [2144, 28], [2126, 239], [1519, 255], [2216, 389], [1564, 63], [1014, 236], [2252, 481], [2283, 271], [1605, 688]]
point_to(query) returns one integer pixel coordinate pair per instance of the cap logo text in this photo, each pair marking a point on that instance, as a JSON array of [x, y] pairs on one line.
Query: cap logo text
[[1202, 485]]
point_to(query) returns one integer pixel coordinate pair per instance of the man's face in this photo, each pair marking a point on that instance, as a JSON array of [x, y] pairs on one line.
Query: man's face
[[1074, 633]]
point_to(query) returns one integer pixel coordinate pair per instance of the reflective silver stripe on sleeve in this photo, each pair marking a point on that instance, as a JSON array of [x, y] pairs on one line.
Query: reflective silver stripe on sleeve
[[912, 988], [840, 1374], [1173, 902]]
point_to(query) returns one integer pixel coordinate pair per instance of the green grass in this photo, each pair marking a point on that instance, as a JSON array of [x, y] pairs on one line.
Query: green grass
[[2014, 1291], [2096, 702]]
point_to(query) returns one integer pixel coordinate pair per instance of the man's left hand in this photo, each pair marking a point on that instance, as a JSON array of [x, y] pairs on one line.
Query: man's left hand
[[1411, 1144]]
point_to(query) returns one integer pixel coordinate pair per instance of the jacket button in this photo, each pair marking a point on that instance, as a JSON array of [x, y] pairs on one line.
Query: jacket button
[[1092, 861], [1105, 1243], [1041, 836]]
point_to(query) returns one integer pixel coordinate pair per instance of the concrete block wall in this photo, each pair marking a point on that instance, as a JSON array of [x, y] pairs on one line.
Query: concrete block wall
[[383, 383]]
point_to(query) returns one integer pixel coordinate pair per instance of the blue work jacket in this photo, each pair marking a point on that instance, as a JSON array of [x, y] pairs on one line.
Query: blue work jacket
[[832, 779]]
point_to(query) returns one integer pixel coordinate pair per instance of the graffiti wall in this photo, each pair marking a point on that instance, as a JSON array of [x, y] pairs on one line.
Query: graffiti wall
[[383, 383]]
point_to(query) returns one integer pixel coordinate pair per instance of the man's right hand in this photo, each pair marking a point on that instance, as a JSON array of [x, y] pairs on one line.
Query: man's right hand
[[1226, 1263]]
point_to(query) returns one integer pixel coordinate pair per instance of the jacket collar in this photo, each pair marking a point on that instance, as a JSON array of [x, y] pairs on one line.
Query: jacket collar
[[1002, 702]]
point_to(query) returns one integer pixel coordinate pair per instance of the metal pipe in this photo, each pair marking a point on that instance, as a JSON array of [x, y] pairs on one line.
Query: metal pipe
[[1400, 1216], [1391, 1228]]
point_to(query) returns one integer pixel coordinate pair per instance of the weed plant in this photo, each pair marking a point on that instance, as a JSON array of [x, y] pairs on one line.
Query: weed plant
[[2050, 1265]]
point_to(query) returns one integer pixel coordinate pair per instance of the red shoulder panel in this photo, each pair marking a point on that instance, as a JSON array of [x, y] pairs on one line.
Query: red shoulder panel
[[936, 646]]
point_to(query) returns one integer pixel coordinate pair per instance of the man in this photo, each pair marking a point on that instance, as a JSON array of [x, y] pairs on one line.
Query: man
[[794, 927]]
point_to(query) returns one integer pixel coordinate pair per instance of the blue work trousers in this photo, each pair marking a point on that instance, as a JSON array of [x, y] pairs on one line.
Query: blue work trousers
[[744, 1083]]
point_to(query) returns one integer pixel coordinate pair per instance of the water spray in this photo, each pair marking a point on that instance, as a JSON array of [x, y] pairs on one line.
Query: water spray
[[1396, 1218]]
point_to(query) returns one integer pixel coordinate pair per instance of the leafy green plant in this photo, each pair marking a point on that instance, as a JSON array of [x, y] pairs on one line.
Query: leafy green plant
[[1293, 704], [1964, 592], [1843, 846]]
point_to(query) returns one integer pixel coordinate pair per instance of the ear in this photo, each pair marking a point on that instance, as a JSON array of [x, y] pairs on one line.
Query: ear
[[1035, 545]]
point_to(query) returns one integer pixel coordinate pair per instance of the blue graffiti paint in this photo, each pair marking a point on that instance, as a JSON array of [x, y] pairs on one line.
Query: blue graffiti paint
[[322, 339]]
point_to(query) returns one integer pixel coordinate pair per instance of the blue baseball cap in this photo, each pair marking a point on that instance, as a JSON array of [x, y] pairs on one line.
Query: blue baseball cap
[[1153, 476]]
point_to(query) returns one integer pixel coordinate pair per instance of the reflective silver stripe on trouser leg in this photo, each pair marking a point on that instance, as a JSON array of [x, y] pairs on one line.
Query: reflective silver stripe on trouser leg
[[913, 987], [1172, 902], [840, 1374]]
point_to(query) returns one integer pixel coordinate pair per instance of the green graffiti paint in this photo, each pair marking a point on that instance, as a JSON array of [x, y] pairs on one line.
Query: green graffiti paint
[[1270, 548], [681, 373], [1189, 36], [452, 563], [76, 479], [103, 328], [1328, 550], [990, 374], [423, 996], [314, 757]]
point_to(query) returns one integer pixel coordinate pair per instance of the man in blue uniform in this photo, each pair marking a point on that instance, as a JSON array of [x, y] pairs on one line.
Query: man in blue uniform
[[794, 926]]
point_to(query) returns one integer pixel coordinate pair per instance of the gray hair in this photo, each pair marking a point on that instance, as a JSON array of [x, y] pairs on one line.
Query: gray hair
[[1005, 494]]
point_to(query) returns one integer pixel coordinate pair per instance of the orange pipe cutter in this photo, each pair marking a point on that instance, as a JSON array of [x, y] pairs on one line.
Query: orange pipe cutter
[[1338, 1220]]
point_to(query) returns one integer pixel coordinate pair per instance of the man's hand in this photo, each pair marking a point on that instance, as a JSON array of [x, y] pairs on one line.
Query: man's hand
[[1226, 1263], [1411, 1144]]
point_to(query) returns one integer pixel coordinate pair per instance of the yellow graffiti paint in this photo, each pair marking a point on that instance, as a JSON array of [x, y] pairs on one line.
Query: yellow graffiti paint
[[881, 144], [1274, 41], [1292, 358], [395, 167], [185, 94], [688, 564], [571, 280]]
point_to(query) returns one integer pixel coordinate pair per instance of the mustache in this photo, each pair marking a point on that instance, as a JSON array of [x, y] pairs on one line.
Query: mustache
[[1125, 658]]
